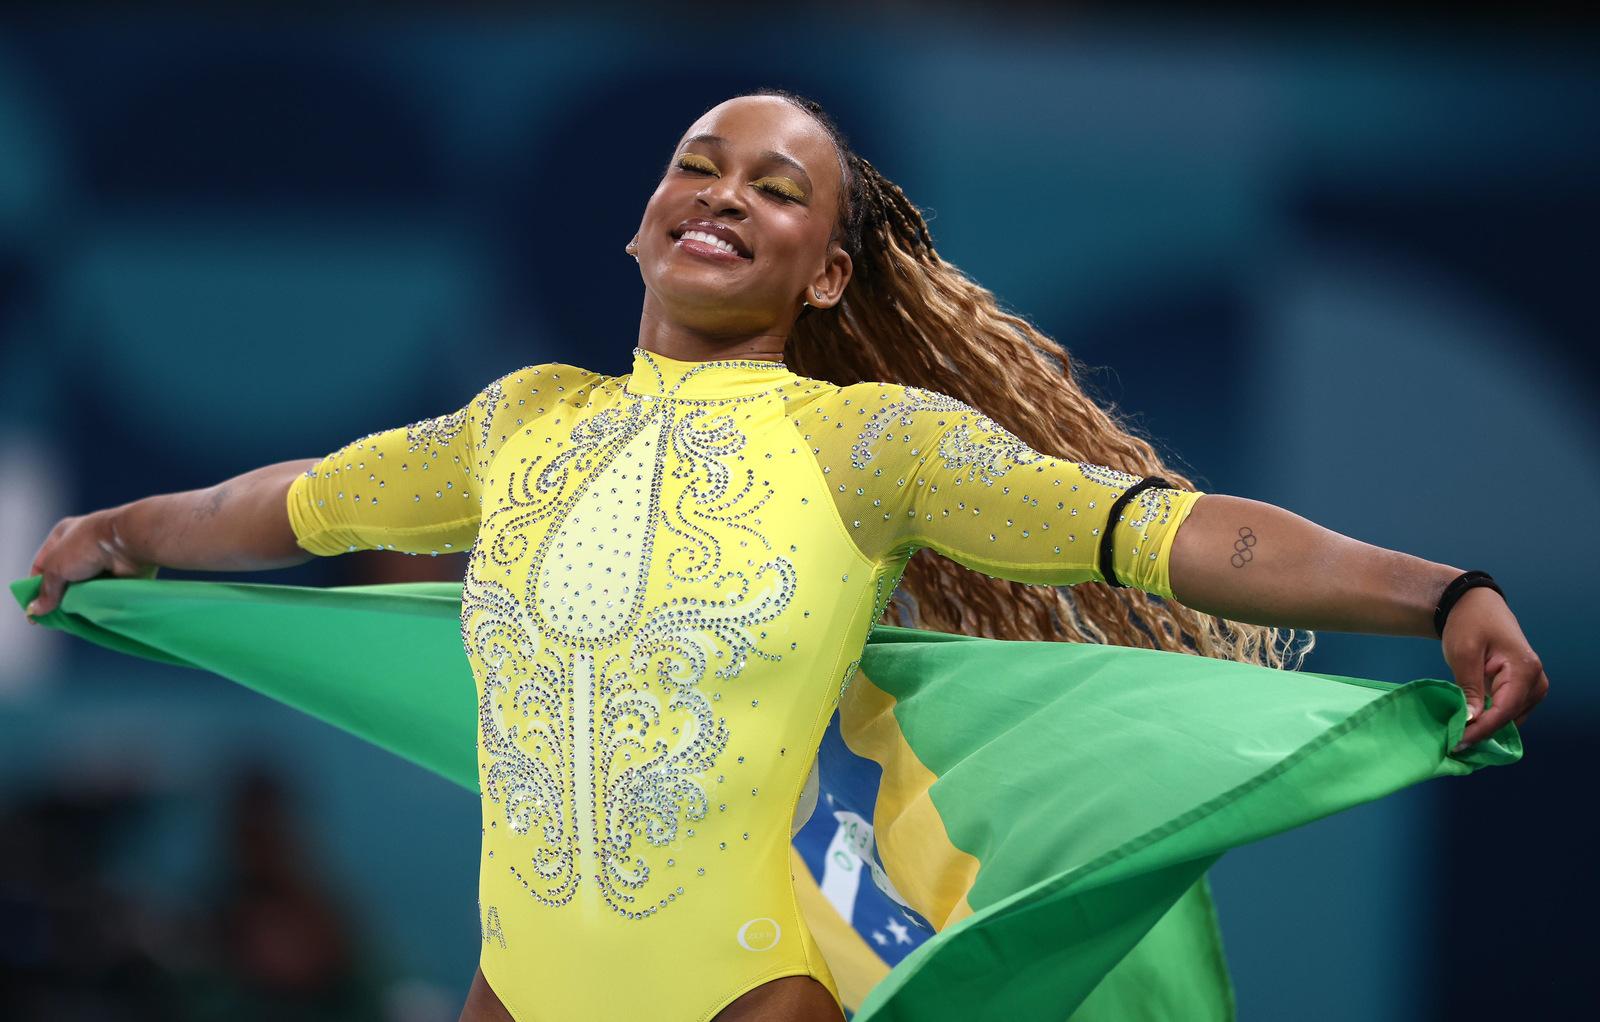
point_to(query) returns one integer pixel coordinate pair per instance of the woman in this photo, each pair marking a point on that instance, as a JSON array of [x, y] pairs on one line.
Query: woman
[[672, 572]]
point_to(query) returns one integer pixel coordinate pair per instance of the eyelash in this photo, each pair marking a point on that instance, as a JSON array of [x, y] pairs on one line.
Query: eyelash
[[693, 169]]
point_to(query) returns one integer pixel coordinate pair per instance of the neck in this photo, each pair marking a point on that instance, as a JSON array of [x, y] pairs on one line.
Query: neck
[[655, 375], [690, 344]]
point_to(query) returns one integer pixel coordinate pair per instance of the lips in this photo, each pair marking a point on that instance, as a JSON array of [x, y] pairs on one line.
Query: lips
[[716, 230]]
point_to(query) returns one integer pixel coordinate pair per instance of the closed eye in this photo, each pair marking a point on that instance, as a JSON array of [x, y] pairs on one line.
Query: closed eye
[[699, 165], [696, 163], [782, 192]]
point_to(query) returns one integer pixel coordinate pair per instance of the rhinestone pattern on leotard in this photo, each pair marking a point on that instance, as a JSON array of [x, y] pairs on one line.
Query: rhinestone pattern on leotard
[[669, 584], [587, 633], [961, 482]]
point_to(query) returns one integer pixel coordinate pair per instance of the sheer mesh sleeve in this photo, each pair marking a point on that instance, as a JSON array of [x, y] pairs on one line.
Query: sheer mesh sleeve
[[924, 469], [415, 488]]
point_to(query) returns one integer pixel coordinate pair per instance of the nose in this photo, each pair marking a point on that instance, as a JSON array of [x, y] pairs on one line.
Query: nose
[[721, 195]]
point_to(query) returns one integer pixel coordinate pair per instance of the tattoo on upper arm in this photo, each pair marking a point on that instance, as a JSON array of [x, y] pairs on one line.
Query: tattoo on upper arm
[[1242, 554], [211, 505]]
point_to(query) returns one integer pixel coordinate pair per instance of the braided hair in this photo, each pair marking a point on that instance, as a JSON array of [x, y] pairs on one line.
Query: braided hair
[[909, 317]]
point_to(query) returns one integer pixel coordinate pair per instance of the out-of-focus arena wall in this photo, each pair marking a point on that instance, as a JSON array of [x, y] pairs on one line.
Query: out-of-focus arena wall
[[1347, 269]]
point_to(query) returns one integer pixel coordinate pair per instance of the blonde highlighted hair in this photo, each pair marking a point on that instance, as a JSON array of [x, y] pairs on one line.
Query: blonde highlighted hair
[[909, 317]]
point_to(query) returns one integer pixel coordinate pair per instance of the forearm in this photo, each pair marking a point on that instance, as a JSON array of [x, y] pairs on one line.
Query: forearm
[[240, 524], [1250, 561]]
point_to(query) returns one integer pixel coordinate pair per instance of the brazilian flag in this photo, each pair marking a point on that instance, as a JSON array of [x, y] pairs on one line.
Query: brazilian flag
[[991, 829]]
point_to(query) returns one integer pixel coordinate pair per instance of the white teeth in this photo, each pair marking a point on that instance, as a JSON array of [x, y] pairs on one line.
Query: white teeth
[[709, 239]]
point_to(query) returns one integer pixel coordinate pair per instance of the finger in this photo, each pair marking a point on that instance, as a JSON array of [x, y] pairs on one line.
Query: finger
[[37, 567], [1540, 688], [1469, 676], [49, 595], [1510, 695]]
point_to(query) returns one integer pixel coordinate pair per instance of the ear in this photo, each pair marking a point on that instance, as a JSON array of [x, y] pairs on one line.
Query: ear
[[830, 283]]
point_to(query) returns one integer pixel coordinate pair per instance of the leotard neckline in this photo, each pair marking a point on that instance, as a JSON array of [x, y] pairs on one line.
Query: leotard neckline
[[656, 375]]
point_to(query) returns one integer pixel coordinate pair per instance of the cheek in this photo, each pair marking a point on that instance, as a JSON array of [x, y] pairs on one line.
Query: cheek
[[798, 251], [795, 237], [653, 205]]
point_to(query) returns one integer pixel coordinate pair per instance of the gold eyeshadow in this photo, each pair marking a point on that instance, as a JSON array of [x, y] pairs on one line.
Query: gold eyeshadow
[[699, 162], [781, 186]]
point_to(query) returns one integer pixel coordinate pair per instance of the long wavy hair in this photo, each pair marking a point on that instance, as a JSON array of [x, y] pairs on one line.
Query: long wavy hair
[[909, 317]]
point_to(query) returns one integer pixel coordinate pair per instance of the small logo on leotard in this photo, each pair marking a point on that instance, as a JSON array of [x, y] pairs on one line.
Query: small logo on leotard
[[759, 934], [489, 925]]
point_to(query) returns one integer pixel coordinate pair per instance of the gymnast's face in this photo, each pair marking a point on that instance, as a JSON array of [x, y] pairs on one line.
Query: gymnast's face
[[766, 172]]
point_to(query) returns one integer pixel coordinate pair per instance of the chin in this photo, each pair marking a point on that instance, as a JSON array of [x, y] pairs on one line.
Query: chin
[[686, 289], [712, 308]]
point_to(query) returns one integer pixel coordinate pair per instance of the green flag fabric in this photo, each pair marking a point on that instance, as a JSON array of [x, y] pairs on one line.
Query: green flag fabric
[[1031, 821]]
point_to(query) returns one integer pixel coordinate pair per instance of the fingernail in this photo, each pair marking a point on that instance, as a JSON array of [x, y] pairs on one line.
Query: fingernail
[[1472, 713], [1458, 748], [33, 607]]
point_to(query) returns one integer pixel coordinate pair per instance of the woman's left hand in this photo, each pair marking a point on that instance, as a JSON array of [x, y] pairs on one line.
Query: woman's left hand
[[1482, 639]]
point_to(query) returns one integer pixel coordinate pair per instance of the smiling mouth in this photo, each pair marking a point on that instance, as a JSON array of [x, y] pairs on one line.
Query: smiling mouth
[[703, 243]]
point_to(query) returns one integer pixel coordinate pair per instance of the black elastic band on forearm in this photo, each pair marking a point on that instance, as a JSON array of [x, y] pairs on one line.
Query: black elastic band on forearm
[[1453, 592], [1107, 561]]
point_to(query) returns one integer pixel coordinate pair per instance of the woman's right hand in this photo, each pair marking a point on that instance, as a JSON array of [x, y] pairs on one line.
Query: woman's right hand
[[80, 547]]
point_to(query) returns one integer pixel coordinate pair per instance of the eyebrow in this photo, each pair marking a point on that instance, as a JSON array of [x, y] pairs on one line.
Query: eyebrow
[[768, 154]]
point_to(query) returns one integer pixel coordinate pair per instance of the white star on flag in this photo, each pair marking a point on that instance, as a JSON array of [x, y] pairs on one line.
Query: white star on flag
[[880, 938], [901, 935]]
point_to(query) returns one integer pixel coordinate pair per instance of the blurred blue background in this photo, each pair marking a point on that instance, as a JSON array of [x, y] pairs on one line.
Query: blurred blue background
[[1347, 269]]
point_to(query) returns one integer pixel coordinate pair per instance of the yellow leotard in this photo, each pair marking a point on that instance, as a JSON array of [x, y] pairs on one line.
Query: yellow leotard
[[670, 581]]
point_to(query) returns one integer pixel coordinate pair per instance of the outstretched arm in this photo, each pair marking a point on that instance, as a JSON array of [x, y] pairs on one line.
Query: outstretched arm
[[921, 469], [1251, 561], [414, 488], [237, 525], [282, 514], [240, 524]]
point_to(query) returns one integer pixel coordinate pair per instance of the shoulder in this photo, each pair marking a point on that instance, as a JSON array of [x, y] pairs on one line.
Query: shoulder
[[546, 378], [886, 408], [521, 396], [871, 399], [537, 388], [873, 422]]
